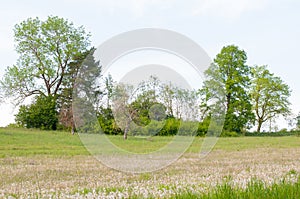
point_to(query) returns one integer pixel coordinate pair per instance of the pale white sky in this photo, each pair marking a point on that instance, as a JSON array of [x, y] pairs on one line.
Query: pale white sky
[[268, 30]]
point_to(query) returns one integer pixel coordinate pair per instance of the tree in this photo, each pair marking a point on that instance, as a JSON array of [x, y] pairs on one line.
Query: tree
[[269, 94], [123, 112], [185, 104], [148, 108], [230, 74], [108, 91], [141, 106], [41, 114], [107, 122], [298, 121], [167, 94], [65, 93], [104, 109], [86, 93], [46, 49]]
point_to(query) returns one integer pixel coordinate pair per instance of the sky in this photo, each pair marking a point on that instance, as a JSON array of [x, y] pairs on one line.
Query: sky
[[268, 30]]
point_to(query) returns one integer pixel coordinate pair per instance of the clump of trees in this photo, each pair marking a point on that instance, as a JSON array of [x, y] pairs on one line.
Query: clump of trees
[[52, 54], [151, 108], [252, 94]]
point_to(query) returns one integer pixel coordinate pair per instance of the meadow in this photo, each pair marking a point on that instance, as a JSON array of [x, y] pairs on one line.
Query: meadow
[[54, 164]]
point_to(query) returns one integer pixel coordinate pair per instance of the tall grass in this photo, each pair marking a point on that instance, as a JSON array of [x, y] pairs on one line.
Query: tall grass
[[255, 189]]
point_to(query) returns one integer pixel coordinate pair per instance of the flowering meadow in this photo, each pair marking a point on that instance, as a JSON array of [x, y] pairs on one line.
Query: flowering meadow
[[34, 169]]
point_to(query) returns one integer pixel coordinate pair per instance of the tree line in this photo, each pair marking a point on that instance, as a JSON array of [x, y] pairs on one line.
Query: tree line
[[52, 54]]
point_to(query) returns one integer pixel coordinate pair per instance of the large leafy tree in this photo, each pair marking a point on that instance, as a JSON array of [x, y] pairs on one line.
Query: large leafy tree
[[270, 96], [230, 74], [46, 49]]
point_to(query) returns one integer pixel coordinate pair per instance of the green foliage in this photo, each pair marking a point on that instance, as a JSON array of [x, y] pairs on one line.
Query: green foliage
[[254, 189], [229, 134], [85, 64], [269, 95], [85, 94], [284, 130], [171, 127], [52, 52], [272, 134], [298, 121], [107, 122], [230, 76], [203, 126], [14, 125], [41, 114], [151, 108], [45, 48], [141, 108]]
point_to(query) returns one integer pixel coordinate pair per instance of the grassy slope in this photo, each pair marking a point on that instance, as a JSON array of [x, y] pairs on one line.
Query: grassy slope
[[23, 142]]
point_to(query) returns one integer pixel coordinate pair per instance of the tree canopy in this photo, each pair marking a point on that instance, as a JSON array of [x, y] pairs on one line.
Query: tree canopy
[[269, 95], [46, 49], [57, 66], [230, 73]]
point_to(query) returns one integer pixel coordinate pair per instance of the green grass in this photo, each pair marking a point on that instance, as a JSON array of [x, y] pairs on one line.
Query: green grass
[[242, 143], [255, 189], [140, 144], [24, 142]]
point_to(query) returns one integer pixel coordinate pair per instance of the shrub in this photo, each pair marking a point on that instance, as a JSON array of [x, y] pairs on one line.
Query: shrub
[[203, 127], [171, 127], [41, 114], [107, 122], [13, 125], [229, 134], [272, 134]]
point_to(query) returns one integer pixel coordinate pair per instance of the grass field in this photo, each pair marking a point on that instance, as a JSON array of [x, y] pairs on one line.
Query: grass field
[[45, 164]]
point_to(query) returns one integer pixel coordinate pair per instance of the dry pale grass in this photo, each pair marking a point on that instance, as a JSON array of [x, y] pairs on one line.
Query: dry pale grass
[[85, 177]]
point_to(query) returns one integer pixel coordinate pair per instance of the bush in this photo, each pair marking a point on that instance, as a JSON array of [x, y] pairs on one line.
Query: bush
[[13, 126], [203, 127], [229, 134], [41, 114], [188, 128], [272, 134], [284, 130], [107, 122], [171, 127]]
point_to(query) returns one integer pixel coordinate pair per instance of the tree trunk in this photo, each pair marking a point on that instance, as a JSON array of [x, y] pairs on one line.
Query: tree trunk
[[125, 134], [228, 98], [72, 130], [126, 131], [259, 126]]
